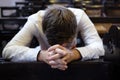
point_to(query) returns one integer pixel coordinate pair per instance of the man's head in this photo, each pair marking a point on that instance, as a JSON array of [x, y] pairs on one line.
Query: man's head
[[59, 25]]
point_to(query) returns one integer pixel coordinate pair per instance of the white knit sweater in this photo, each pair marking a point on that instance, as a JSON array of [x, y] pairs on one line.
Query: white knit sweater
[[18, 48]]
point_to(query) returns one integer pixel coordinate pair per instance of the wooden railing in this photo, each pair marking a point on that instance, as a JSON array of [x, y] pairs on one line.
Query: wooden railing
[[78, 70]]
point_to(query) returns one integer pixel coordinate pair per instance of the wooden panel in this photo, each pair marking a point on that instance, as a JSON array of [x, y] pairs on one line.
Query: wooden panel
[[86, 70]]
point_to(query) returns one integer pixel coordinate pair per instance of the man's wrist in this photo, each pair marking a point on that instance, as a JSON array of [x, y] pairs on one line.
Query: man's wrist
[[38, 56], [77, 54]]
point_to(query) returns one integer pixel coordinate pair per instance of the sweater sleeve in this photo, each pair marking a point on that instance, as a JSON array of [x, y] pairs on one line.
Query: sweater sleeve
[[93, 44], [18, 48]]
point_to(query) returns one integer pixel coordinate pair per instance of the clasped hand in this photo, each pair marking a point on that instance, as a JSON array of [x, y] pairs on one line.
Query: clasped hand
[[56, 56]]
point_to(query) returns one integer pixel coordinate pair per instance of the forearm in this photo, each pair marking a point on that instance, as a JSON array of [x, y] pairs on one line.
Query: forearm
[[42, 56], [73, 55], [76, 54], [20, 53], [92, 51]]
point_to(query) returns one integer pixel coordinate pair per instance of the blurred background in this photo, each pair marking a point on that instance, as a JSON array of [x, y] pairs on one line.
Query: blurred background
[[14, 13]]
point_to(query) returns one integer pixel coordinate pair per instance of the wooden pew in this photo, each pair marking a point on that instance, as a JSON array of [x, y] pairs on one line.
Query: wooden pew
[[15, 20], [11, 20], [29, 10], [78, 70], [94, 10], [22, 3], [113, 11], [13, 9], [103, 24]]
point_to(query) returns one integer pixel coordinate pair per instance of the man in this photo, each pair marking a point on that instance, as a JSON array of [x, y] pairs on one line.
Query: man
[[56, 30]]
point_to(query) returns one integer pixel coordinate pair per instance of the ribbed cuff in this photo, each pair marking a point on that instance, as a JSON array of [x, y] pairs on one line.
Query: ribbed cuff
[[38, 55]]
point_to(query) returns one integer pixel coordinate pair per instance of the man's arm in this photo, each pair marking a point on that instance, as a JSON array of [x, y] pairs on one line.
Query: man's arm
[[18, 48], [93, 44]]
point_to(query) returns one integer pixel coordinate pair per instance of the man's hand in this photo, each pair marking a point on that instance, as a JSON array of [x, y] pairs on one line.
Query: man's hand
[[65, 55], [52, 59], [43, 56], [58, 56]]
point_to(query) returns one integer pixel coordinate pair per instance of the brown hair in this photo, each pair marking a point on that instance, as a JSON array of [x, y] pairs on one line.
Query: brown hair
[[59, 24]]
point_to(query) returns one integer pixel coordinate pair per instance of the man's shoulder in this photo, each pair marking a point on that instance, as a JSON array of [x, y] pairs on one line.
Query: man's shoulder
[[76, 10], [36, 16]]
